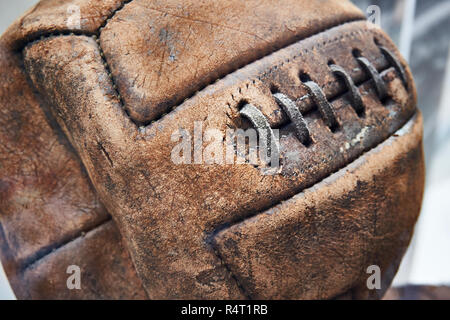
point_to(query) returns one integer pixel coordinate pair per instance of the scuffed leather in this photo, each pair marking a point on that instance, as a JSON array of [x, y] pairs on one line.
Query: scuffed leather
[[106, 269], [179, 49], [337, 228], [57, 16], [47, 202]]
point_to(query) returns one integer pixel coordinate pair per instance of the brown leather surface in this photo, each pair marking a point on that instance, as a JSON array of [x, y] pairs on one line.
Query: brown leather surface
[[326, 236], [53, 16], [170, 46], [41, 176], [106, 271], [46, 200], [168, 214]]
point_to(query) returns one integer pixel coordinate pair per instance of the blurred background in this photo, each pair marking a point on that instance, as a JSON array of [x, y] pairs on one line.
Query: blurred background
[[421, 29]]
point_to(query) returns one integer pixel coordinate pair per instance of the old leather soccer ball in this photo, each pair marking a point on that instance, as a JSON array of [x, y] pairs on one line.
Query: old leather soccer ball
[[93, 95]]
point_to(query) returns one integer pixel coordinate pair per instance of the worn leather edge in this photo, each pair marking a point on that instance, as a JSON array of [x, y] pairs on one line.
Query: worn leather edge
[[22, 32], [15, 269], [112, 278]]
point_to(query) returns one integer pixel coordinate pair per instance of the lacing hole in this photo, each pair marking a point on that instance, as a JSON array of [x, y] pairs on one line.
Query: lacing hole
[[274, 89], [335, 128], [376, 41], [308, 142], [356, 53], [242, 104], [304, 77]]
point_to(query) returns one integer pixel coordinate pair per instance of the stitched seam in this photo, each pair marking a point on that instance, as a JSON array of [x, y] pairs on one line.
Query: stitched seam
[[212, 238], [273, 68], [30, 39], [96, 37], [231, 224], [105, 62], [231, 273], [103, 25], [47, 251], [346, 35], [343, 36], [60, 246]]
